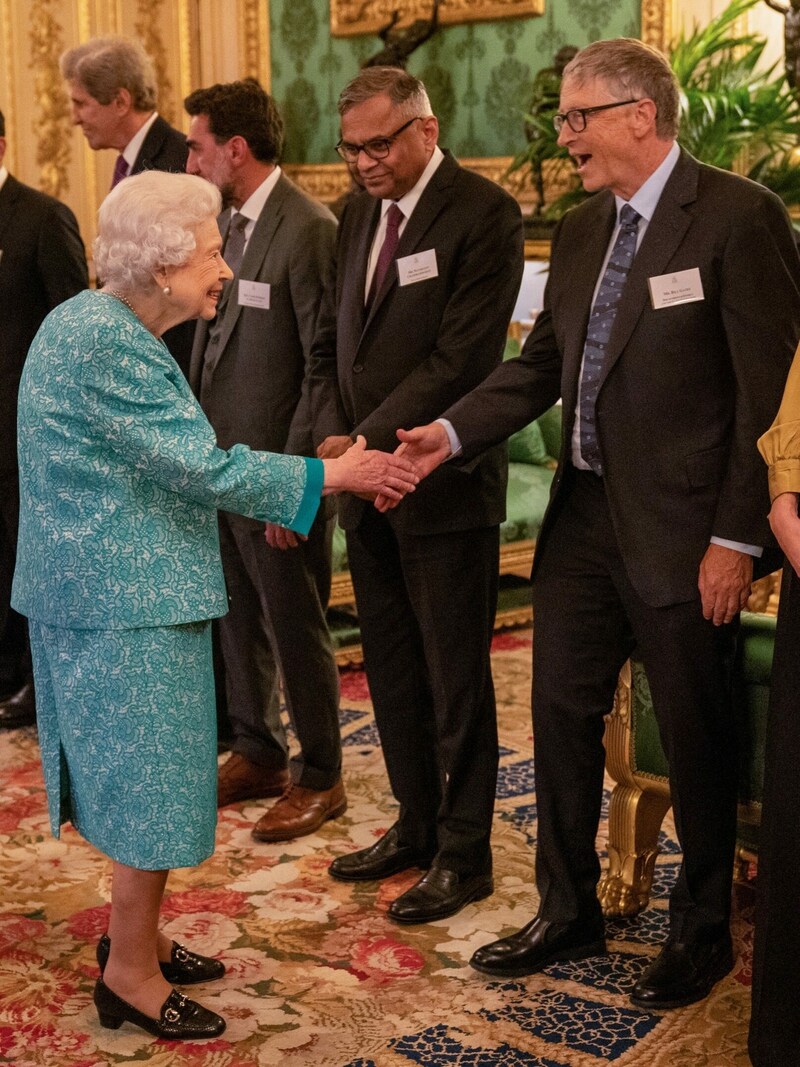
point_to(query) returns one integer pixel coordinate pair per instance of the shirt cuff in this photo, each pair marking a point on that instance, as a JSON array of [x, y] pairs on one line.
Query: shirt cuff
[[452, 437], [784, 477], [737, 546]]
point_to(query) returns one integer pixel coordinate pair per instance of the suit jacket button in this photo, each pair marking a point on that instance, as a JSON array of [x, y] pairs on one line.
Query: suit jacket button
[[357, 368]]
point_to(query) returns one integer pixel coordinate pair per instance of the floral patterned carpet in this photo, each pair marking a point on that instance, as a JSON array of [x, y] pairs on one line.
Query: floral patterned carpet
[[317, 975]]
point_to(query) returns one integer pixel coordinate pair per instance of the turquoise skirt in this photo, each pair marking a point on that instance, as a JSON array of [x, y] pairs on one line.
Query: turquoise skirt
[[127, 732]]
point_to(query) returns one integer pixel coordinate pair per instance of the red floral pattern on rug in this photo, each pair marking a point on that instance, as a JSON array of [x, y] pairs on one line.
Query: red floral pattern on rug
[[317, 975]]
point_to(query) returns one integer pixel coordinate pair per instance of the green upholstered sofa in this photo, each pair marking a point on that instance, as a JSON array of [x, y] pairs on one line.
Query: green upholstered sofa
[[531, 466], [636, 762]]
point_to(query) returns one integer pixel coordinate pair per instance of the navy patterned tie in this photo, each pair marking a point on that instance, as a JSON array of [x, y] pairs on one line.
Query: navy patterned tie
[[601, 320]]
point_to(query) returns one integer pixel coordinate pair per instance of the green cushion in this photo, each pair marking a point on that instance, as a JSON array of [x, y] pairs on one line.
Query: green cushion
[[526, 500], [339, 555], [527, 446], [550, 425], [647, 756]]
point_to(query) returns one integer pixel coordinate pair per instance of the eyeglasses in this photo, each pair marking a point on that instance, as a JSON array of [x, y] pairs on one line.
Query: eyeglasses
[[575, 118], [376, 148]]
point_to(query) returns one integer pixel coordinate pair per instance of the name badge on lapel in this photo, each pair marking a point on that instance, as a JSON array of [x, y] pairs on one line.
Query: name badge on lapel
[[417, 267], [253, 294], [682, 287]]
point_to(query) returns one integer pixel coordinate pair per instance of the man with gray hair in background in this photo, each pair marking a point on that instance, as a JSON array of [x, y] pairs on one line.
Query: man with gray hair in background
[[113, 93]]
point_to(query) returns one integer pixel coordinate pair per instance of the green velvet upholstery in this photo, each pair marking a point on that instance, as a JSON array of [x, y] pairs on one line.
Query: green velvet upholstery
[[751, 697]]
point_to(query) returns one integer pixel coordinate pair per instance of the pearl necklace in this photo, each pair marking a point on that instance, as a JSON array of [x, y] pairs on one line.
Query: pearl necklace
[[124, 299]]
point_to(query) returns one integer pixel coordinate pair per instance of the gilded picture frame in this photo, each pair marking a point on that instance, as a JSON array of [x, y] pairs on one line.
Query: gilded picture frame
[[350, 18]]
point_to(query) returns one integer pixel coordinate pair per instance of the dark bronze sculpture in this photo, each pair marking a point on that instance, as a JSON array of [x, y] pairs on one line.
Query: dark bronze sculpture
[[791, 39], [399, 44]]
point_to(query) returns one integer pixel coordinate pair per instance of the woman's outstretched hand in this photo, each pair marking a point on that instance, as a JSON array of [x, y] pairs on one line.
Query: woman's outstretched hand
[[370, 473]]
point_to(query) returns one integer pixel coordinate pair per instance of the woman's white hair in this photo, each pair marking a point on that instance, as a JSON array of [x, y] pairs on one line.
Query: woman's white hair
[[149, 221]]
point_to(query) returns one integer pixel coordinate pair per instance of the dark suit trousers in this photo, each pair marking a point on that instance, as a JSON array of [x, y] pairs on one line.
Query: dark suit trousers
[[775, 1022], [426, 608], [15, 661], [587, 620], [277, 615]]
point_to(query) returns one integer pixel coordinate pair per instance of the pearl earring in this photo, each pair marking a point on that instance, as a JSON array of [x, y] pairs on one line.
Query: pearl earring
[[167, 290]]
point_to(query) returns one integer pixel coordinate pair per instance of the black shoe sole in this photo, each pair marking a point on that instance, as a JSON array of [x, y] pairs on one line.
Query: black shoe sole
[[480, 893], [580, 952], [724, 968]]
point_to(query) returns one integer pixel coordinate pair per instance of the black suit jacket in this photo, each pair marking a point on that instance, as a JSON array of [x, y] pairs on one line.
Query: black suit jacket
[[422, 346], [164, 148], [689, 388], [42, 263]]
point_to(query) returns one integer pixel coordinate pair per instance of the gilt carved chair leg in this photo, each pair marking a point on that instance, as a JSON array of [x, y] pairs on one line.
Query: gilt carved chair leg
[[634, 821]]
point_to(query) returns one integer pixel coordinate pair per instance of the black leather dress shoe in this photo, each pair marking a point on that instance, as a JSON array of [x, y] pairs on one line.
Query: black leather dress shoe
[[537, 945], [185, 967], [439, 893], [380, 860], [181, 1019], [19, 709], [682, 973]]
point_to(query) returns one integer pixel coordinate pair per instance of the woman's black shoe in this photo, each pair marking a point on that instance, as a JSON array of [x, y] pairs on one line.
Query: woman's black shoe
[[181, 1019], [185, 967]]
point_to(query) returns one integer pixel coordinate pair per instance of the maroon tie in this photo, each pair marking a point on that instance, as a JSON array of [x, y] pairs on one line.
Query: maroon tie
[[394, 216], [120, 170]]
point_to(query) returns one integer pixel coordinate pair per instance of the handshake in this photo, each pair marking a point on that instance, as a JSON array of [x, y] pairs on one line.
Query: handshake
[[382, 477], [379, 476]]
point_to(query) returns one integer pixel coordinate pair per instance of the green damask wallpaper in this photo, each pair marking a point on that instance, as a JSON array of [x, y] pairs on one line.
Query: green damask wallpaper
[[479, 76]]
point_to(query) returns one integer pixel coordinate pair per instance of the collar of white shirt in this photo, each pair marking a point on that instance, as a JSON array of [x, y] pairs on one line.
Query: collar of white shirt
[[255, 203], [134, 146]]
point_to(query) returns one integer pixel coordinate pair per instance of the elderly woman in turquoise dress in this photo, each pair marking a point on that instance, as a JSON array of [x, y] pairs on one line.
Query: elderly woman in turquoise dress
[[118, 571]]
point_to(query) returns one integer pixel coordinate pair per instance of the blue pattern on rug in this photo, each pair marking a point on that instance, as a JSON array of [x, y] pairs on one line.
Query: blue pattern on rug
[[367, 735], [515, 779], [581, 1025], [649, 928], [442, 1045], [615, 973]]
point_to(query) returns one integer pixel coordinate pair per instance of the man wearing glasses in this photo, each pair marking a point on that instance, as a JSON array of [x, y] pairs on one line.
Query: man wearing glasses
[[671, 314], [429, 262]]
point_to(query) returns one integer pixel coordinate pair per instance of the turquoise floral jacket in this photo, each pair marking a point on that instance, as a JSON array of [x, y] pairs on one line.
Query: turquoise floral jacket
[[121, 478]]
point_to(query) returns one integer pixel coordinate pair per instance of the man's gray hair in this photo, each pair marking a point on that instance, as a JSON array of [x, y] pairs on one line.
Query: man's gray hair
[[632, 69], [406, 92], [104, 65], [149, 221]]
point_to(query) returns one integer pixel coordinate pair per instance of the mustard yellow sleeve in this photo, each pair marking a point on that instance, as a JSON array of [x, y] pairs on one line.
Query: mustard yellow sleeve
[[780, 445]]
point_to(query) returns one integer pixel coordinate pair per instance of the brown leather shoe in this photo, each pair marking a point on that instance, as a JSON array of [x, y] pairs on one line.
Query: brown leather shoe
[[241, 779], [300, 811]]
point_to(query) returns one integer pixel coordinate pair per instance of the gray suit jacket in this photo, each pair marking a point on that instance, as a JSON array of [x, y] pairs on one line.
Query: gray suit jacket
[[248, 366]]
